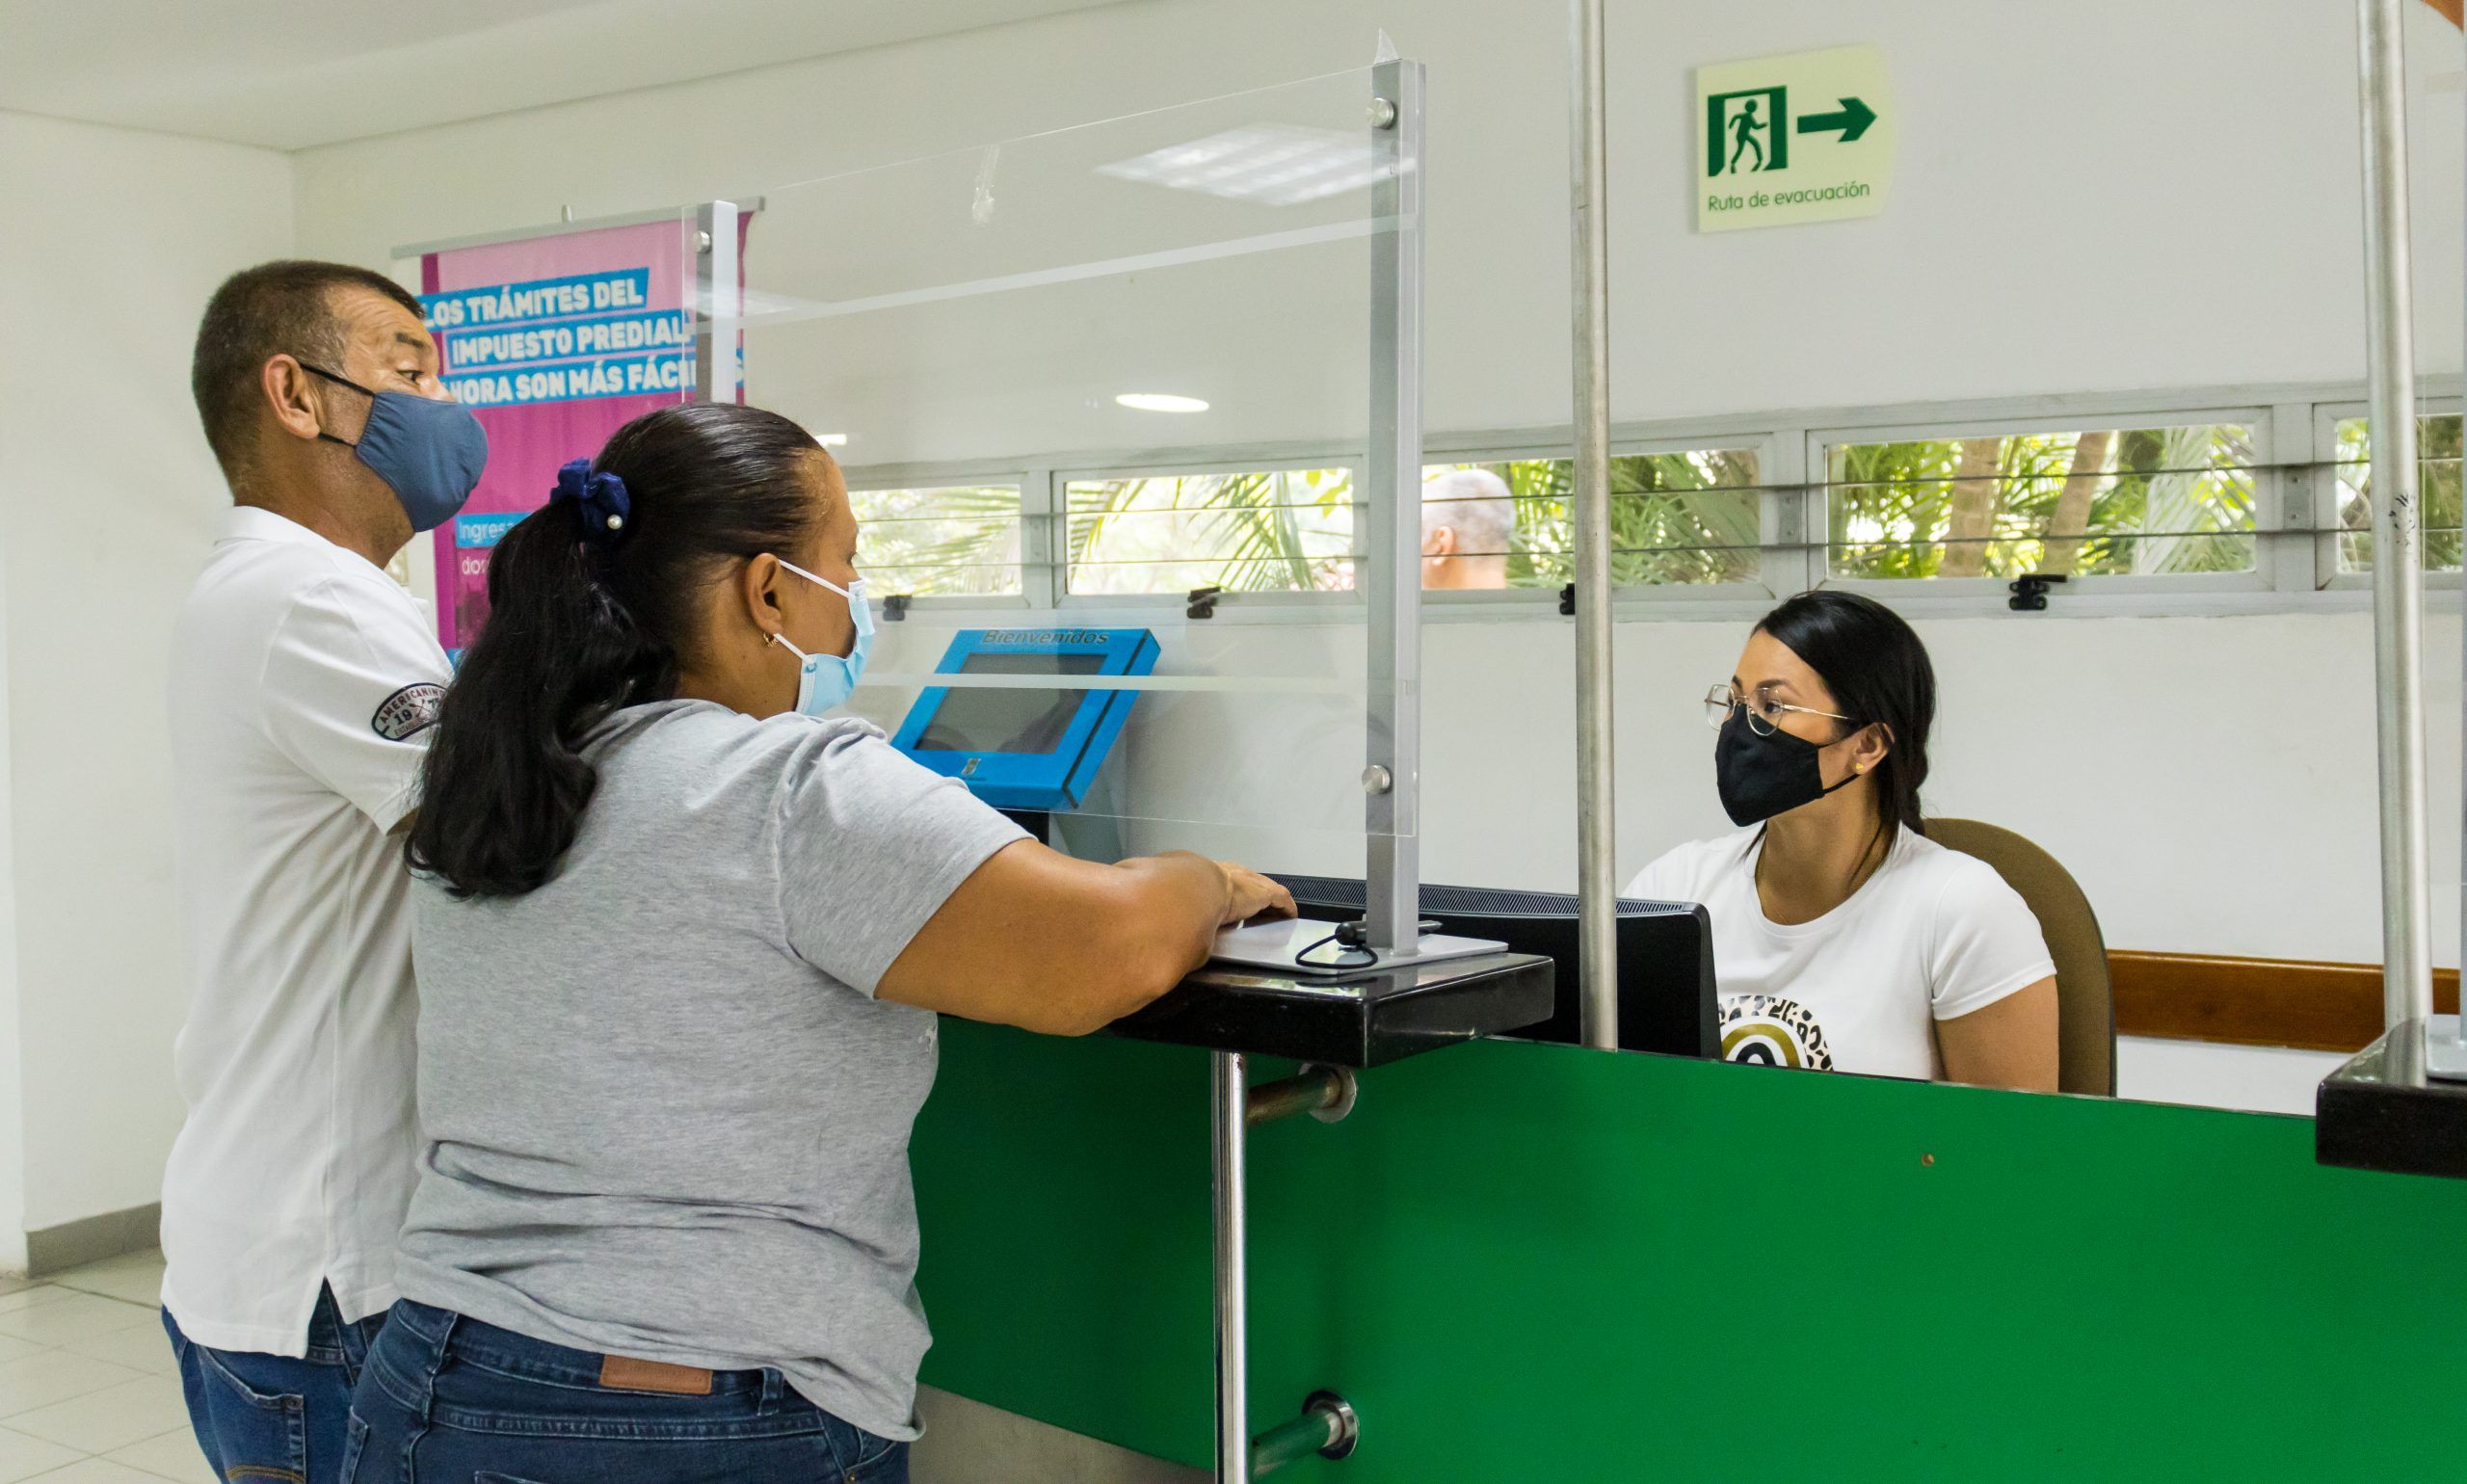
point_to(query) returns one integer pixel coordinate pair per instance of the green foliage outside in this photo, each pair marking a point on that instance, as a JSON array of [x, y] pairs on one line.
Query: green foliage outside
[[1272, 531], [955, 540], [1680, 518], [2146, 500], [2167, 500]]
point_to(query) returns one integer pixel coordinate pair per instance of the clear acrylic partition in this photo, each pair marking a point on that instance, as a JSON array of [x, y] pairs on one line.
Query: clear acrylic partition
[[1003, 319]]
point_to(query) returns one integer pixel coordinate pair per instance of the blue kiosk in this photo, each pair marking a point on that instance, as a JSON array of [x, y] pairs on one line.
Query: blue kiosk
[[1027, 747]]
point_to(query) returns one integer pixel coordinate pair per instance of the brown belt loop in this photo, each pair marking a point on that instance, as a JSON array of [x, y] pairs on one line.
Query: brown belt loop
[[625, 1373]]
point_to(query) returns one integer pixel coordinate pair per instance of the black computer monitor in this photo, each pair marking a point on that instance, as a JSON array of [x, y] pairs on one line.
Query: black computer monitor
[[1666, 955]]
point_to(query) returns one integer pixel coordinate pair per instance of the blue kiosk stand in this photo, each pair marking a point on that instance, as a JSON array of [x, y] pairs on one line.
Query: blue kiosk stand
[[1020, 737], [1035, 746]]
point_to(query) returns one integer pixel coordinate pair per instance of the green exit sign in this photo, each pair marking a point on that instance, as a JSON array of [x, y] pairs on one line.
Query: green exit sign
[[1808, 137]]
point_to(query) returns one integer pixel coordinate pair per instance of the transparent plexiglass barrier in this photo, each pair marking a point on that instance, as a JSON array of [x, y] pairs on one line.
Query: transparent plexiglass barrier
[[1074, 378]]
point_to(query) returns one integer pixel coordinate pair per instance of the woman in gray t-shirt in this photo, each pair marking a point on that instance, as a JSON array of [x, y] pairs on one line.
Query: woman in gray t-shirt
[[679, 945]]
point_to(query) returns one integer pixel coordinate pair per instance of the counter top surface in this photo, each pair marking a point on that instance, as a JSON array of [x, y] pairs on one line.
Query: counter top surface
[[1382, 1017], [2382, 1111]]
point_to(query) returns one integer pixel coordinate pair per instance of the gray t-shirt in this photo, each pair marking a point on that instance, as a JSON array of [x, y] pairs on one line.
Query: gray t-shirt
[[664, 1116]]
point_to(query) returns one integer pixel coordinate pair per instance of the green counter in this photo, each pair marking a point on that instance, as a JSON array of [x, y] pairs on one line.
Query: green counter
[[1526, 1263]]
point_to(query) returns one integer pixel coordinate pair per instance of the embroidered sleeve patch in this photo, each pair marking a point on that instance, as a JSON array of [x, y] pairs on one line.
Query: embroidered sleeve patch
[[407, 712]]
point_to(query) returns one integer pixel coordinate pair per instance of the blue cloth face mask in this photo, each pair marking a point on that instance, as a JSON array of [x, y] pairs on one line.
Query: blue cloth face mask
[[828, 680], [430, 453]]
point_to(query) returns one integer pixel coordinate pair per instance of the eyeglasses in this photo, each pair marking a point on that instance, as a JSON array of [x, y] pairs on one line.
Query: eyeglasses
[[1764, 714]]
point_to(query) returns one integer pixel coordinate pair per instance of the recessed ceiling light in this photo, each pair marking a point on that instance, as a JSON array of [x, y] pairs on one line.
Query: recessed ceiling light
[[1160, 402], [831, 439]]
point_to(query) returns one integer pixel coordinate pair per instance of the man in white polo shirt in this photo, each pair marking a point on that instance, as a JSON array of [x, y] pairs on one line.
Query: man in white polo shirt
[[303, 681]]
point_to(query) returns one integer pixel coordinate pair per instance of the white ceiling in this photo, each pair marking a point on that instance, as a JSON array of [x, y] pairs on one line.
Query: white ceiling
[[291, 73]]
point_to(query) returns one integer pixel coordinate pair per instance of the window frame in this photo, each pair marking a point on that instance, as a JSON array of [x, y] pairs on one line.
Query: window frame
[[2295, 507], [1033, 566], [1061, 478], [2269, 501], [2322, 501], [1460, 450]]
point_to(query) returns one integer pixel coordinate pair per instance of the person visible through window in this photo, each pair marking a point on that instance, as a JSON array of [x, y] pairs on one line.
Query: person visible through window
[[1469, 529], [1844, 939]]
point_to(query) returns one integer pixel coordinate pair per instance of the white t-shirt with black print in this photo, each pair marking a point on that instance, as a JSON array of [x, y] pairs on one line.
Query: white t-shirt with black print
[[1933, 935]]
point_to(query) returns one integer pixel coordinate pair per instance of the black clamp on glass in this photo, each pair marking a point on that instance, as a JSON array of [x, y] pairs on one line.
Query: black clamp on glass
[[2029, 594]]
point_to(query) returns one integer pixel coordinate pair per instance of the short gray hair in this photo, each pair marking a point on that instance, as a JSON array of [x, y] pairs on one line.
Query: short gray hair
[[285, 307], [1477, 505]]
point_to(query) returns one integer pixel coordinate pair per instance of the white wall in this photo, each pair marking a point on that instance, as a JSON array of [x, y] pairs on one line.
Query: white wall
[[108, 500], [2265, 1079], [2098, 196], [2101, 195]]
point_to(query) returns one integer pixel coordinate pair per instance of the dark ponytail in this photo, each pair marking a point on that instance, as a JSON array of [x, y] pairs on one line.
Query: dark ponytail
[[1878, 673], [584, 620]]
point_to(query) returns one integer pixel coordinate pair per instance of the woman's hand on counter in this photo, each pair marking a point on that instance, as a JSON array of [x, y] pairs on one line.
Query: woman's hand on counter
[[1037, 939], [1253, 896]]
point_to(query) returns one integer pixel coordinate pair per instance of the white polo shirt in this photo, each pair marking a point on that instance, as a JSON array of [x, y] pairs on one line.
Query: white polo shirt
[[304, 684]]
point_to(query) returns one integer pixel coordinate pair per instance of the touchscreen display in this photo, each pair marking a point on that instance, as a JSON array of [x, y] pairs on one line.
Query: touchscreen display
[[1006, 720]]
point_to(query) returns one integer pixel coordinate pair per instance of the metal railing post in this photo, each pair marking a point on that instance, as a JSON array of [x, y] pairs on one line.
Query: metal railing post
[[1597, 843], [2398, 521], [1228, 1118]]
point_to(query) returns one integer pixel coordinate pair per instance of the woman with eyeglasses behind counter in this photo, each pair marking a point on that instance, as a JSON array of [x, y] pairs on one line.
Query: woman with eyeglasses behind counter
[[1845, 939]]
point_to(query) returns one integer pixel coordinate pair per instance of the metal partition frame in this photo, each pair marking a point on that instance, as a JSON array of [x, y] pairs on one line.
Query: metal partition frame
[[717, 300], [1391, 778], [1073, 218], [1392, 560]]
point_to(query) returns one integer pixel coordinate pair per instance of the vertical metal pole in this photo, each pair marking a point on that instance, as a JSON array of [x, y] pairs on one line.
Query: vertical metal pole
[[1391, 573], [1596, 849], [2397, 536], [714, 300], [1230, 1124]]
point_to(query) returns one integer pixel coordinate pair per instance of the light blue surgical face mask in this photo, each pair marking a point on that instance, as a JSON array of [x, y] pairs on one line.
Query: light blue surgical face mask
[[828, 680]]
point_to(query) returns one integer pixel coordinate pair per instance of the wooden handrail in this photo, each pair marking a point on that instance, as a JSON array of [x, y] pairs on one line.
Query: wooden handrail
[[2277, 1002]]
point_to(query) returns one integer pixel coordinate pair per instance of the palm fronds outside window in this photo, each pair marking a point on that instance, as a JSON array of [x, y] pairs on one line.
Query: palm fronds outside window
[[952, 539]]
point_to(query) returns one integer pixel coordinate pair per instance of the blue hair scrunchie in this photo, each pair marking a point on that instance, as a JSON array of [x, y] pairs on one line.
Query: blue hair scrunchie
[[600, 501]]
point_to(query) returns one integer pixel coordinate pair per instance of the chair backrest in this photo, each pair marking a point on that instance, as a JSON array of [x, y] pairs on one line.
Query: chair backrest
[[2087, 1019]]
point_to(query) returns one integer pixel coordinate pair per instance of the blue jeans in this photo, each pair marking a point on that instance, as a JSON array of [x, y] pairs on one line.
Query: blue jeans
[[270, 1418], [450, 1400]]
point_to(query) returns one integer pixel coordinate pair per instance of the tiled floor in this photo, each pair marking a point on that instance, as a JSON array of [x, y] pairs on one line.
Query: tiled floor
[[88, 1393]]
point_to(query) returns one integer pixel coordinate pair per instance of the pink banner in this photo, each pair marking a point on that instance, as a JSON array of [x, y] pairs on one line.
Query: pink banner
[[554, 343]]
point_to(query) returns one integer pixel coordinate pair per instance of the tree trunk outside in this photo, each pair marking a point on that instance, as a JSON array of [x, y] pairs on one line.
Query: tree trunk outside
[[2072, 502], [1976, 491]]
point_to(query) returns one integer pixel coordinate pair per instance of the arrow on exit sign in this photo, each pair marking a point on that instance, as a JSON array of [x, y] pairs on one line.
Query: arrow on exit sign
[[1852, 120]]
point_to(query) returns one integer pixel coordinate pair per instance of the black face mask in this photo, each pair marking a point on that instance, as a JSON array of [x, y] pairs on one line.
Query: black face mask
[[1761, 776]]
